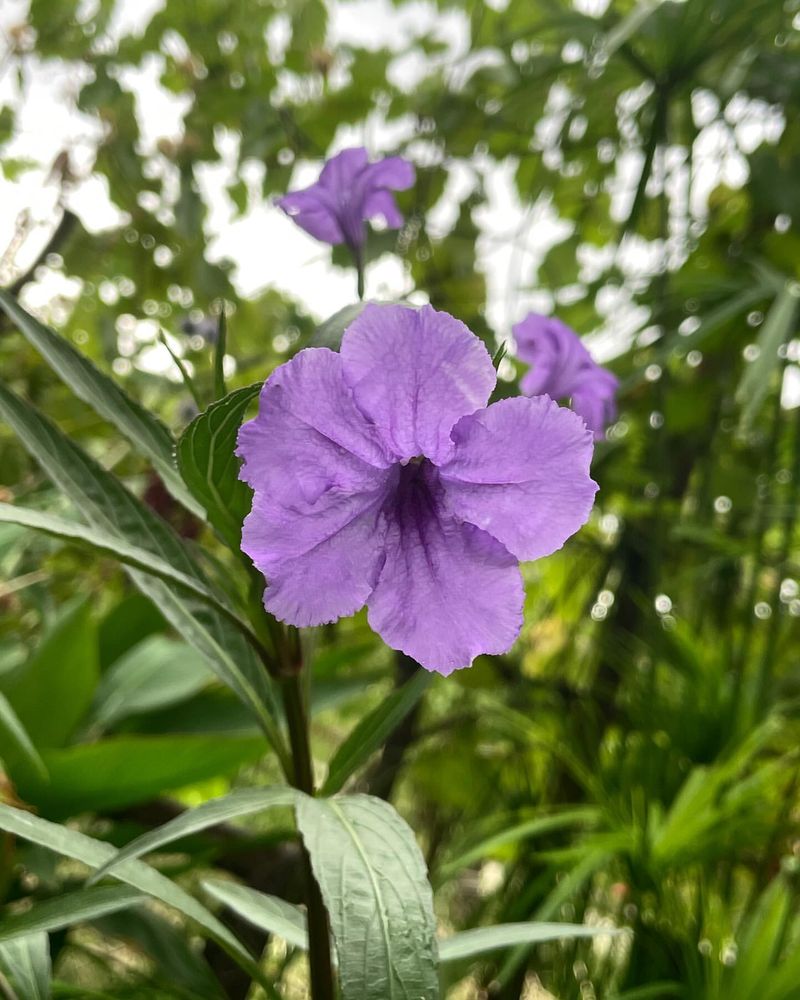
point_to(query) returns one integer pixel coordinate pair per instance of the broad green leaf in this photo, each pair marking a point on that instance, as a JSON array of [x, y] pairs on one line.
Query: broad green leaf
[[371, 732], [26, 960], [51, 692], [123, 770], [16, 748], [109, 544], [269, 913], [244, 802], [154, 674], [94, 853], [482, 939], [142, 428], [109, 506], [373, 881], [778, 327], [68, 909], [208, 464]]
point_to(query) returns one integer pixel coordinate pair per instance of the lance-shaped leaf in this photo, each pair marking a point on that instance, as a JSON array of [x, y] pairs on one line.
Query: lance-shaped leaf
[[108, 505], [109, 544], [210, 468], [266, 912], [141, 427], [372, 877], [68, 909], [479, 940], [245, 802], [16, 746], [94, 853], [372, 730]]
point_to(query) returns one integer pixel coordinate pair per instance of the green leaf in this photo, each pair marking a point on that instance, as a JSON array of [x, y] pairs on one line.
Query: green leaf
[[51, 692], [16, 747], [269, 913], [372, 877], [219, 353], [482, 939], [124, 770], [107, 543], [109, 506], [776, 331], [94, 853], [373, 729], [244, 802], [68, 909], [145, 431], [208, 464], [154, 674], [27, 961], [330, 333]]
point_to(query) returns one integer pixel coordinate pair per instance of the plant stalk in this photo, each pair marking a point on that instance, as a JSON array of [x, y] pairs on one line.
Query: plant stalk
[[319, 933]]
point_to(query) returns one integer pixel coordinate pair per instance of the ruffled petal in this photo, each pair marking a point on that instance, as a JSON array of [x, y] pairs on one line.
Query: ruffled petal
[[447, 591], [392, 172], [320, 476], [333, 577], [520, 471], [313, 210], [414, 373]]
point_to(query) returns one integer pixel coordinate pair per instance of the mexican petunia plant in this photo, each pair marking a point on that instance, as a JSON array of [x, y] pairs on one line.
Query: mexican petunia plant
[[381, 475]]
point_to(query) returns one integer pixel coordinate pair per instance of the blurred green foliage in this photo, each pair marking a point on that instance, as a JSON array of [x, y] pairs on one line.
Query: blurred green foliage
[[634, 760]]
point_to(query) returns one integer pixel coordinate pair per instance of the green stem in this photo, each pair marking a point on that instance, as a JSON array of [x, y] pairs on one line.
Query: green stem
[[358, 260], [319, 932]]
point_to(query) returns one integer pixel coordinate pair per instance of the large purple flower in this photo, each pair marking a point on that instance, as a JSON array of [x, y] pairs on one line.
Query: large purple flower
[[381, 477], [562, 368], [350, 191]]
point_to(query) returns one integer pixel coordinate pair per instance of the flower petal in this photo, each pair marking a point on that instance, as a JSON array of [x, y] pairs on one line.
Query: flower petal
[[341, 170], [392, 172], [313, 210], [320, 476], [414, 372], [332, 578], [447, 591], [520, 471], [382, 203]]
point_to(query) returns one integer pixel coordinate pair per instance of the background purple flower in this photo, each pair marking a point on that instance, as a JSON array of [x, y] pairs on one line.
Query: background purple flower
[[562, 368], [382, 477], [350, 191]]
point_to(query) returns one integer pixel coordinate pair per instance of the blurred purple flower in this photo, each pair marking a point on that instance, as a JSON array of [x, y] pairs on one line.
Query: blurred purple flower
[[562, 368], [350, 190], [381, 477]]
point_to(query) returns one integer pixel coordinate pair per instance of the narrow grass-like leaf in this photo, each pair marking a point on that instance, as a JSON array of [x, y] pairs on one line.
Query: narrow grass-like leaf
[[373, 881], [241, 803], [109, 506], [208, 464], [269, 913], [27, 960], [15, 743], [177, 360], [68, 909], [482, 939], [776, 331], [372, 730], [144, 430], [94, 853], [109, 544]]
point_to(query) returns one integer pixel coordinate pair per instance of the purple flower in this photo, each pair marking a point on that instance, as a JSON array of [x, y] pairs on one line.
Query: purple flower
[[350, 190], [564, 369], [381, 477]]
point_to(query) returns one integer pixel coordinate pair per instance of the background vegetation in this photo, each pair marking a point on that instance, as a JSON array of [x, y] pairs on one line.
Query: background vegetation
[[634, 761]]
